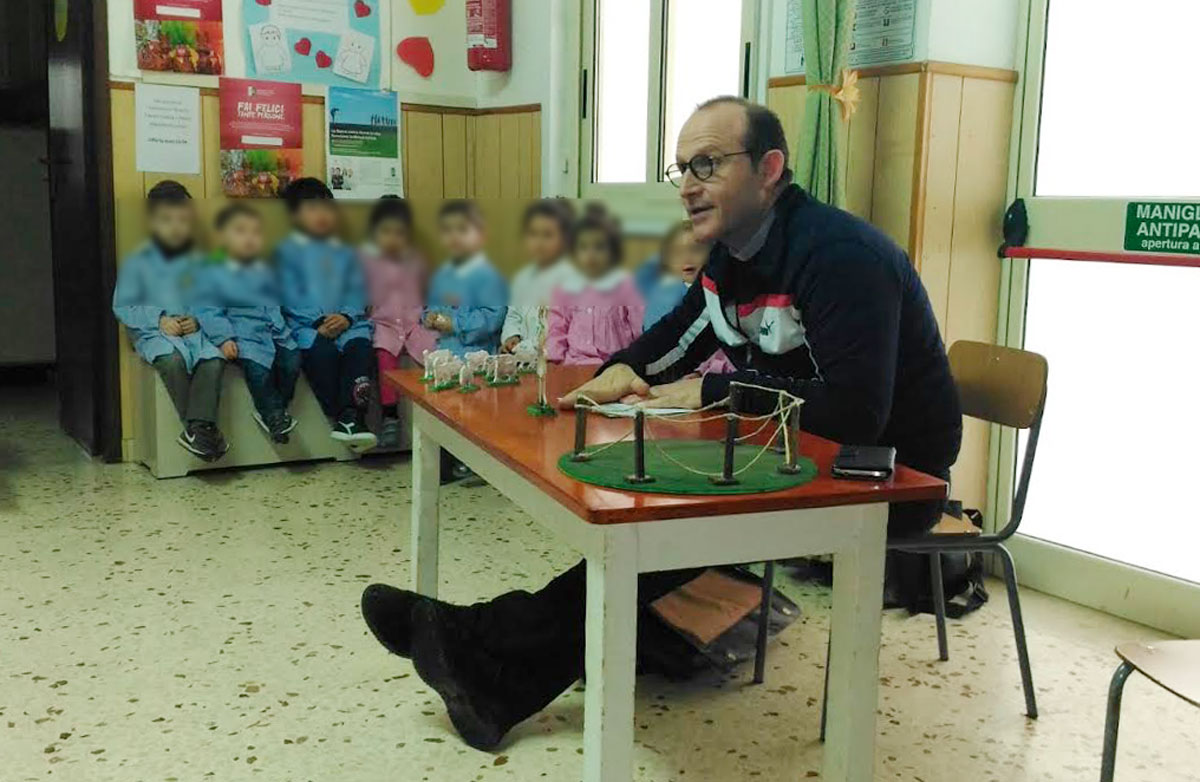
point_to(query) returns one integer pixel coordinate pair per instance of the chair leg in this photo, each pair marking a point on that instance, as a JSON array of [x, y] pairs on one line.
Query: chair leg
[[1014, 607], [825, 689], [764, 618], [1108, 760], [939, 603]]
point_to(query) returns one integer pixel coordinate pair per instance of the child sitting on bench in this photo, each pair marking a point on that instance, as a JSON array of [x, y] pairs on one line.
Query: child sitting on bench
[[324, 304], [396, 276], [152, 300], [239, 312], [467, 297]]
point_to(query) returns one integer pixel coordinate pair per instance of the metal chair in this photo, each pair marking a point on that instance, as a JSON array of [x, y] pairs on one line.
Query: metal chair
[[998, 385], [1172, 665]]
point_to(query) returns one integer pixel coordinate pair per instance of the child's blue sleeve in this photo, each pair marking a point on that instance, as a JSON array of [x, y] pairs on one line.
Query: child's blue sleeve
[[355, 305], [129, 304], [294, 294], [482, 320], [210, 314]]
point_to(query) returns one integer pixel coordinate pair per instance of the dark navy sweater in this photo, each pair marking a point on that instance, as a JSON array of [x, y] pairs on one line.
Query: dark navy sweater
[[831, 310]]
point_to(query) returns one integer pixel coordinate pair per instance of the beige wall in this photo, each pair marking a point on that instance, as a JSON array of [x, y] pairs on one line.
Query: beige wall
[[926, 159]]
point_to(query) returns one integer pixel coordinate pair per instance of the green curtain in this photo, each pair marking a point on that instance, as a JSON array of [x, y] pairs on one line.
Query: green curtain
[[827, 26]]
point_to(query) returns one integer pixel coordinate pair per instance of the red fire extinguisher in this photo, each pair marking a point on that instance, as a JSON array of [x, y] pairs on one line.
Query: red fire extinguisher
[[489, 35]]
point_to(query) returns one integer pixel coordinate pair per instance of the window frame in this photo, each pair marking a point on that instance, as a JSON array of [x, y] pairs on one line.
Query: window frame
[[653, 204]]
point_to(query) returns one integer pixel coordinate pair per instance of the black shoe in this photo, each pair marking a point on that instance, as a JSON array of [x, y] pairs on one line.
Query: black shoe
[[451, 469], [447, 660], [388, 614], [204, 440], [214, 441], [351, 431], [279, 425]]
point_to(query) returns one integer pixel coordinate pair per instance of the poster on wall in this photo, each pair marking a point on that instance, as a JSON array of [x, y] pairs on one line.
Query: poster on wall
[[168, 128], [184, 36], [335, 42], [261, 137], [884, 31], [362, 143]]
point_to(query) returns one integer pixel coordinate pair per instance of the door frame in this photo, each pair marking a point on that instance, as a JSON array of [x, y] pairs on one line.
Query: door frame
[[1117, 588], [92, 318]]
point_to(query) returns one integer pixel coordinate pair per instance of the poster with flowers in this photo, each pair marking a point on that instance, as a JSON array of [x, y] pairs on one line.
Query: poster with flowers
[[184, 36], [261, 137]]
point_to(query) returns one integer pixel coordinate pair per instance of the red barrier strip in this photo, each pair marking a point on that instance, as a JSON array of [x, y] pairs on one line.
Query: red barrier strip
[[1190, 261]]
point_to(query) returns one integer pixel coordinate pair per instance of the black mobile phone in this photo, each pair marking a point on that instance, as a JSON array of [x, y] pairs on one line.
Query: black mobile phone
[[864, 462]]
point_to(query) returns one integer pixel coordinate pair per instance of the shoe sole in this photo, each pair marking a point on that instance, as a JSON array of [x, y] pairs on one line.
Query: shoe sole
[[431, 665], [258, 419], [363, 441], [192, 449], [294, 423]]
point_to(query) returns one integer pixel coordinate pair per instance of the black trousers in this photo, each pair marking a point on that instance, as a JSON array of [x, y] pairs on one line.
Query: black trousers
[[196, 395], [332, 372], [535, 641], [272, 388]]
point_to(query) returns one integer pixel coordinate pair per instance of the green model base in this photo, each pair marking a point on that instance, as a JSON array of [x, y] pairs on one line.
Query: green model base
[[445, 386], [541, 411], [469, 388], [612, 467], [515, 381]]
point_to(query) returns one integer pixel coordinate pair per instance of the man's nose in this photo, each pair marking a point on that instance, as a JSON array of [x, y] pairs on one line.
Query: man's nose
[[690, 184]]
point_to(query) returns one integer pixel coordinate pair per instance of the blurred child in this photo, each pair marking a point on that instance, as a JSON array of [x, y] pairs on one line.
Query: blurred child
[[682, 260], [152, 300], [239, 312], [324, 304], [467, 297], [547, 233], [598, 311], [396, 276]]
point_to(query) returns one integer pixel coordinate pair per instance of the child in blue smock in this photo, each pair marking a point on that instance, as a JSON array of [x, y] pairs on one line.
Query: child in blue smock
[[468, 298], [238, 309], [152, 300], [325, 305]]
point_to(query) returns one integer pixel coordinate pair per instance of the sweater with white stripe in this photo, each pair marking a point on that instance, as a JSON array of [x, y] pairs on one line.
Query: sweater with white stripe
[[831, 310]]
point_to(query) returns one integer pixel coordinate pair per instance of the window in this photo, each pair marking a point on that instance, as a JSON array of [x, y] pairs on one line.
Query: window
[[652, 62]]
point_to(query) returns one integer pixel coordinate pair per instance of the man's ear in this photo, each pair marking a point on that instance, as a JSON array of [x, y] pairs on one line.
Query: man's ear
[[771, 167]]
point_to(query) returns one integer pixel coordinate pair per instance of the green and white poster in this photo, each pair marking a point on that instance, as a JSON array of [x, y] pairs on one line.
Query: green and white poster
[[1162, 228], [362, 149]]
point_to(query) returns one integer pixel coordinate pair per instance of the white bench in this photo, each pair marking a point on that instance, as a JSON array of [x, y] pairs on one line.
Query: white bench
[[157, 427]]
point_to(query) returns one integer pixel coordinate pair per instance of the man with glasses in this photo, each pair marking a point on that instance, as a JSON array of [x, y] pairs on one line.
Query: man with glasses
[[800, 296]]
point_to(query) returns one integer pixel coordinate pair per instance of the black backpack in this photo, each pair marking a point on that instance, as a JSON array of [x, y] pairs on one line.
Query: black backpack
[[907, 579]]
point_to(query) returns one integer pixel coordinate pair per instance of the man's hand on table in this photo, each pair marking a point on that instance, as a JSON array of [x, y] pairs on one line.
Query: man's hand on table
[[611, 385], [685, 394]]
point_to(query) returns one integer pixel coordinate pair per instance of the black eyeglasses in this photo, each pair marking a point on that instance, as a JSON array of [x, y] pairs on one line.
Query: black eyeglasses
[[702, 166]]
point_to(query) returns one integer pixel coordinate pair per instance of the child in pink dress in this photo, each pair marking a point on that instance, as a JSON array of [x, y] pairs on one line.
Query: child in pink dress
[[597, 311], [395, 275]]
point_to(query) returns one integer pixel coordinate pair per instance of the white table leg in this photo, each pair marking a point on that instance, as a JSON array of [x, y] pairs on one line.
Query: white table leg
[[611, 652], [426, 483], [854, 656]]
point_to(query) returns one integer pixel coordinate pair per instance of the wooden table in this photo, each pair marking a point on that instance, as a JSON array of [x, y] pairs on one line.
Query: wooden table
[[622, 534]]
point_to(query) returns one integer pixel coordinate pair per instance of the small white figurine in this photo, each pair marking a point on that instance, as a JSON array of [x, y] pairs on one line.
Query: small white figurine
[[477, 361], [445, 372]]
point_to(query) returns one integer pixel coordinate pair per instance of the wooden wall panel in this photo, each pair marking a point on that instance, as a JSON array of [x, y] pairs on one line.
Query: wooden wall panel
[[454, 156], [487, 157], [895, 153], [941, 160], [425, 150], [859, 151], [128, 189]]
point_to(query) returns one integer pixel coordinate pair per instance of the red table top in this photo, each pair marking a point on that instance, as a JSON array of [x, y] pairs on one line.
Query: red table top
[[495, 419]]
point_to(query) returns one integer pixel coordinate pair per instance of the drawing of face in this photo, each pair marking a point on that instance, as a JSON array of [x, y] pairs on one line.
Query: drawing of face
[[272, 36]]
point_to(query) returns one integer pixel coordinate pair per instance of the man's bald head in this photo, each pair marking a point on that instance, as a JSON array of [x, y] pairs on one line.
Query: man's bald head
[[763, 129], [734, 157]]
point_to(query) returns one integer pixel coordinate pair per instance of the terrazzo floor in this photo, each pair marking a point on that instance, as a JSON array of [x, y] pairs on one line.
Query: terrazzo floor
[[207, 628]]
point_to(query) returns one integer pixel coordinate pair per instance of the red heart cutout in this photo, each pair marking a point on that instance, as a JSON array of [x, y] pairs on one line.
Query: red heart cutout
[[418, 53], [263, 2], [303, 46], [361, 9], [324, 60]]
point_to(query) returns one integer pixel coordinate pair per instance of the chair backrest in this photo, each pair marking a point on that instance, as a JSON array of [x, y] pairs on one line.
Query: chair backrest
[[997, 384]]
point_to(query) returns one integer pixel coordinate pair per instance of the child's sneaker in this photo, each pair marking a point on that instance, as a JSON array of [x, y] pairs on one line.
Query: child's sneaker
[[361, 393], [280, 425], [389, 433], [350, 431], [204, 439]]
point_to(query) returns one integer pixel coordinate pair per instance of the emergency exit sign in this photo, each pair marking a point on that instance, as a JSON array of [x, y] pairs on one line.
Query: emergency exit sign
[[1162, 228]]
